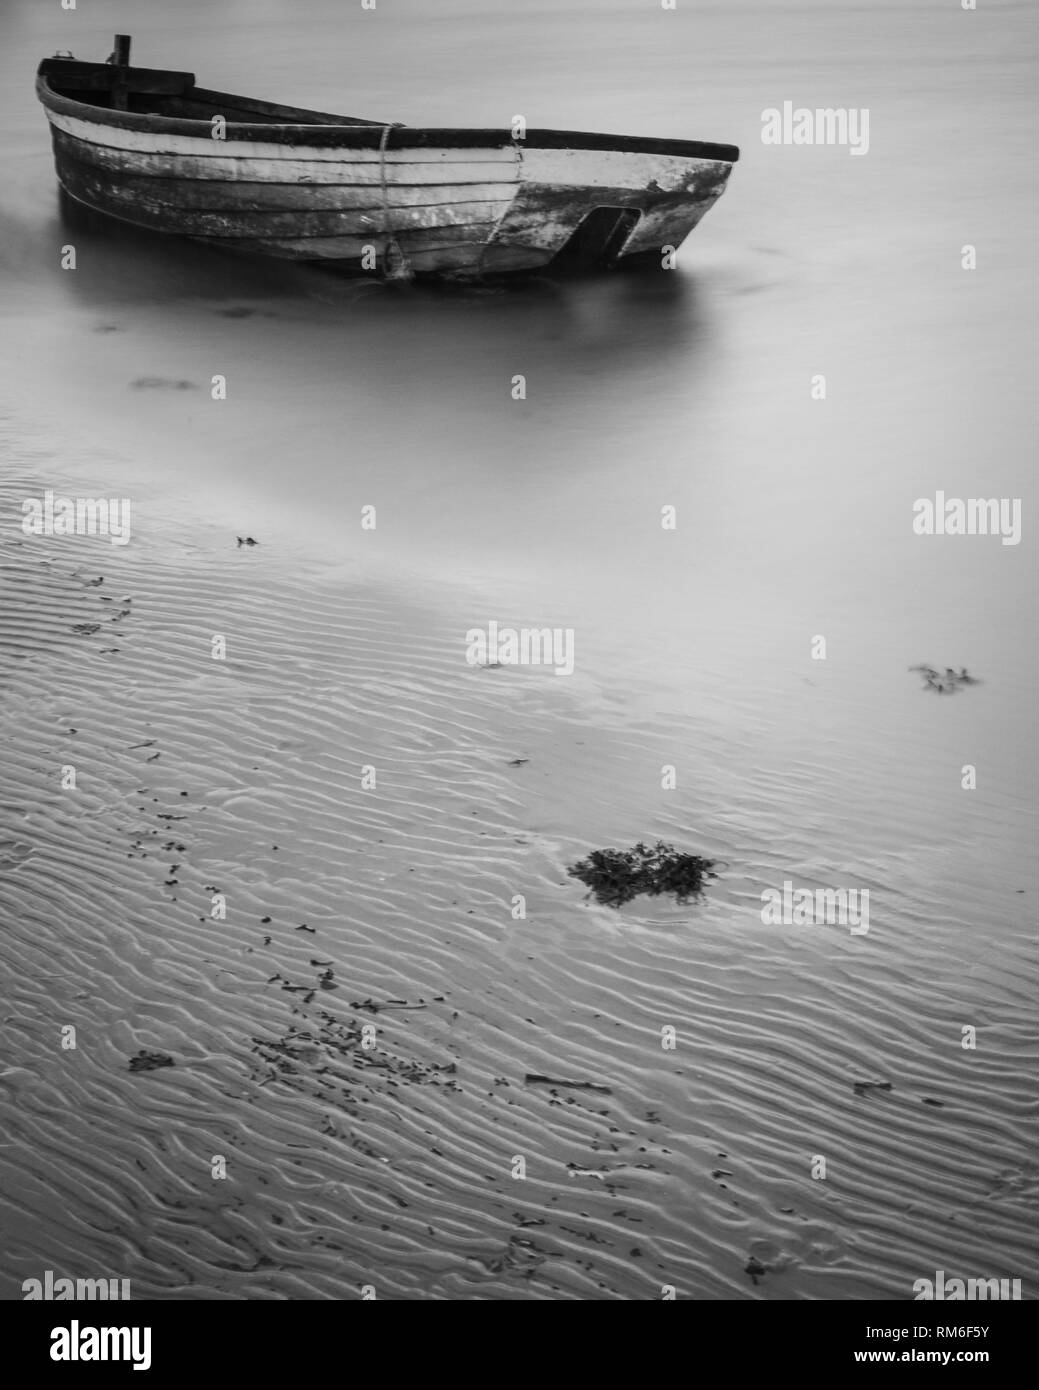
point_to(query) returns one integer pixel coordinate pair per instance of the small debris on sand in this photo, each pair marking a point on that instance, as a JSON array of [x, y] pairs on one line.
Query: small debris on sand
[[947, 683], [373, 1007], [861, 1087], [160, 383], [150, 1061], [533, 1078]]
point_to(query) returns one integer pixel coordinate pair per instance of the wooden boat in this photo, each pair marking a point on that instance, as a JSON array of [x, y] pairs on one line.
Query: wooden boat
[[149, 147]]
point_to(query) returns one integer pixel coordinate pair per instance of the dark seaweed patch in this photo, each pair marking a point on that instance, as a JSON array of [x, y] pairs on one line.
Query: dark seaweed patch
[[947, 684], [149, 1061], [616, 876]]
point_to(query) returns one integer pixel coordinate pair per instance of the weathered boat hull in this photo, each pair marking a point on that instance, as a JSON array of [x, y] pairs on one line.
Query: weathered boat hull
[[456, 202]]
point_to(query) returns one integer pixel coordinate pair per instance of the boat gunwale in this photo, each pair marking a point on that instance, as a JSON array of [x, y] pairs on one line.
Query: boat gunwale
[[384, 135]]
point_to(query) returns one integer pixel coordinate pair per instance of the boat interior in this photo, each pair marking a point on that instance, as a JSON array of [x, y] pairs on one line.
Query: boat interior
[[115, 86], [159, 92]]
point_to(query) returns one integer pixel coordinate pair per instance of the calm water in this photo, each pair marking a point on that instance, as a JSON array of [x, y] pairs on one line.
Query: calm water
[[690, 389]]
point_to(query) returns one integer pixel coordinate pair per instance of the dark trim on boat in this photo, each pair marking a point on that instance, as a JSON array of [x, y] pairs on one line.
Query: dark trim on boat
[[54, 73]]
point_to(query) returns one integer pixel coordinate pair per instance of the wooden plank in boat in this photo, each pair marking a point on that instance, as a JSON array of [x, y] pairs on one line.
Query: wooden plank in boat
[[311, 249], [285, 197], [94, 190], [504, 257], [416, 240], [206, 193], [462, 254], [222, 103], [297, 226], [457, 252], [101, 77], [631, 169], [209, 159]]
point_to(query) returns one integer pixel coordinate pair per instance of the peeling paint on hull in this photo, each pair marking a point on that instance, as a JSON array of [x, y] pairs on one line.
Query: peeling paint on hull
[[454, 202]]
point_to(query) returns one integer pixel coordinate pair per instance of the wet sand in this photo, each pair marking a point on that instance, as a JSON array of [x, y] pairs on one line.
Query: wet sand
[[393, 1165]]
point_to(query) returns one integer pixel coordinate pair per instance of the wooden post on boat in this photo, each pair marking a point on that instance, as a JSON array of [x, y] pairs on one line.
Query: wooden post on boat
[[121, 59]]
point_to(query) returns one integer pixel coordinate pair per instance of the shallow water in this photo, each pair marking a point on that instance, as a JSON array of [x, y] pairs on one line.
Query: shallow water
[[693, 649]]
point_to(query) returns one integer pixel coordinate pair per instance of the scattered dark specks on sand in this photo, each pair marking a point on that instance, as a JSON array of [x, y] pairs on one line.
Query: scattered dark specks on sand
[[947, 682], [150, 1061], [616, 876], [161, 383], [85, 629]]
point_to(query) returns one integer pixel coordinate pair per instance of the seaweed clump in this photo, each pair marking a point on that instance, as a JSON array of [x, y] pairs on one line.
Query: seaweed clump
[[948, 684], [149, 1061], [615, 876]]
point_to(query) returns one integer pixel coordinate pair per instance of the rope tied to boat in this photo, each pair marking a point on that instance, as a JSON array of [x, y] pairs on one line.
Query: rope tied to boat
[[395, 263], [383, 140]]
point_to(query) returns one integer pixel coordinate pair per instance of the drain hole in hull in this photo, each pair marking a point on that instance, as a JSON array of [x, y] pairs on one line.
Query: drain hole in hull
[[598, 238]]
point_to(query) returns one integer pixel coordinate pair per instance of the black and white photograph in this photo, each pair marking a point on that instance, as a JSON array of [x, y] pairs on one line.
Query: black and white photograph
[[517, 666]]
